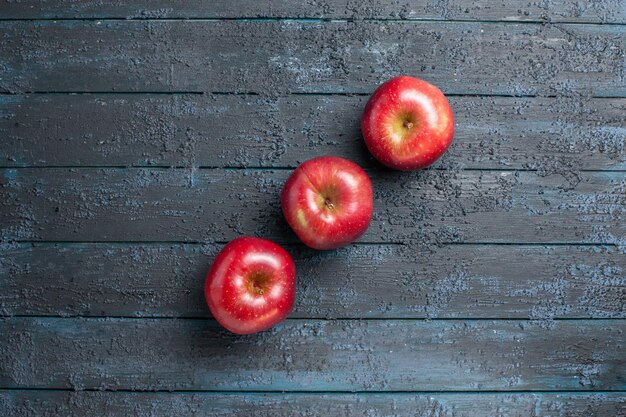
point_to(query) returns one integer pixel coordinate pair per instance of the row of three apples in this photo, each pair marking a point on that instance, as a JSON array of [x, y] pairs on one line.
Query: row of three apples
[[407, 124]]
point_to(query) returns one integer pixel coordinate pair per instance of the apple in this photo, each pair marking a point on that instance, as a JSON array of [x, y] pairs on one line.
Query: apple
[[328, 202], [251, 285], [407, 124]]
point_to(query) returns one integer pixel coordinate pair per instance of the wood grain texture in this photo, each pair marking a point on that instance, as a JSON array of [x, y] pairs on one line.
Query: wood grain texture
[[216, 205], [296, 56], [113, 205], [510, 10], [312, 355], [550, 134], [368, 281], [144, 404]]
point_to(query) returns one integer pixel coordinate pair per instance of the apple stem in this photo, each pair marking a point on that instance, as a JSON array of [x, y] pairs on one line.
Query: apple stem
[[329, 204], [408, 125]]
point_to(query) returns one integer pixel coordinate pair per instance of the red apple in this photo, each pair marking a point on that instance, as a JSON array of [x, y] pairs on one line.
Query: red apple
[[251, 285], [407, 124], [328, 202]]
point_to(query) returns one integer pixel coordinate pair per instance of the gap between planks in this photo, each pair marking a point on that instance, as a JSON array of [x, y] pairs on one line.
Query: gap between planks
[[264, 168], [307, 319], [302, 392], [293, 93], [289, 244], [288, 19]]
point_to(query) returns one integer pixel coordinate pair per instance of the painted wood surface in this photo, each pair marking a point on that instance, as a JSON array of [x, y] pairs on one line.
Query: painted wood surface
[[548, 134], [215, 205], [509, 10], [365, 281], [492, 285], [312, 355], [322, 57], [53, 404]]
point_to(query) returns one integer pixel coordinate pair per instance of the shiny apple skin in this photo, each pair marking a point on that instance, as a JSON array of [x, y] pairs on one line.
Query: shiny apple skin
[[407, 124], [328, 202], [251, 285]]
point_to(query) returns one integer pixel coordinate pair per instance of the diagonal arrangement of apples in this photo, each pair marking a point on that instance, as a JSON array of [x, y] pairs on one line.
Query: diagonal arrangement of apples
[[328, 201]]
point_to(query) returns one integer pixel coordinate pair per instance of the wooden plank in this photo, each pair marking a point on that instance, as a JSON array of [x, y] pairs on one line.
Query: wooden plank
[[46, 403], [275, 57], [508, 10], [201, 130], [428, 207], [466, 281], [312, 355]]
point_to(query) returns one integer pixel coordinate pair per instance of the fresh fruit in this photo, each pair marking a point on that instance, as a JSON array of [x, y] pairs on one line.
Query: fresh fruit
[[251, 285], [407, 124], [328, 202]]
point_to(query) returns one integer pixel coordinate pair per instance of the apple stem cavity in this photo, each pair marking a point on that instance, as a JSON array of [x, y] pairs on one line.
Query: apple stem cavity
[[257, 283]]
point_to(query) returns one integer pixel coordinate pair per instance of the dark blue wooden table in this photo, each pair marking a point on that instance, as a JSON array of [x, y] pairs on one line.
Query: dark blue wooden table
[[136, 138]]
